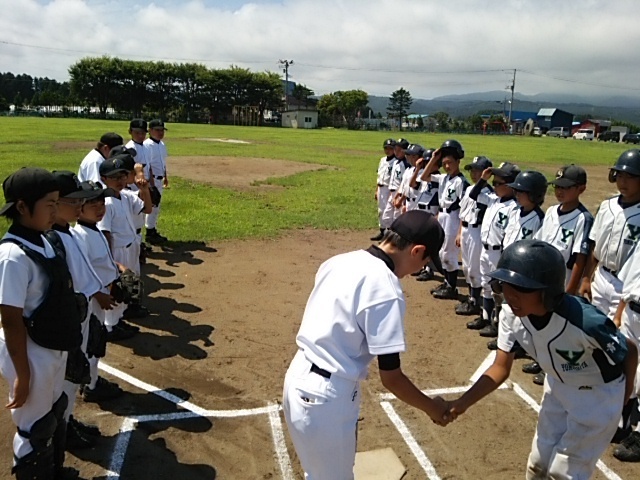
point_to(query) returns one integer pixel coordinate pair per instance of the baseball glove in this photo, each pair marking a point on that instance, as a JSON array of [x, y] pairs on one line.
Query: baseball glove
[[97, 341], [156, 196], [127, 288]]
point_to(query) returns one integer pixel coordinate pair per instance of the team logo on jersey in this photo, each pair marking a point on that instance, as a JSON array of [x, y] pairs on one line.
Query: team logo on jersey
[[526, 233], [502, 219], [450, 192], [398, 174], [573, 360], [634, 232], [566, 235]]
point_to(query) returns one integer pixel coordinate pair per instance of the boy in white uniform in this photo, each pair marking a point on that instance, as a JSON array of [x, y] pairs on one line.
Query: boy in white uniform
[[40, 324], [354, 313], [451, 188], [390, 212], [382, 189], [158, 179], [91, 162], [407, 196], [468, 238], [615, 232]]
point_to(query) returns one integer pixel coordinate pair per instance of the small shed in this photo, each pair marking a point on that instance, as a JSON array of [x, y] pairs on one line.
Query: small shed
[[302, 118], [553, 117]]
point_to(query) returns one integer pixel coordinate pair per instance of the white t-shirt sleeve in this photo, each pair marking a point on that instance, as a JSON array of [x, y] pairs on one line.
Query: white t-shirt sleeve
[[383, 327], [14, 283], [506, 337], [105, 223]]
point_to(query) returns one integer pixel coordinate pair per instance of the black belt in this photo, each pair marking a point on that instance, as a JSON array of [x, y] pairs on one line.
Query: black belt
[[448, 210], [138, 230], [158, 178], [319, 371], [634, 306], [612, 272], [129, 245], [466, 225], [491, 247]]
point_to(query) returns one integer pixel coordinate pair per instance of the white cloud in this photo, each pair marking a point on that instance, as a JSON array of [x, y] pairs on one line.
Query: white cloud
[[341, 44]]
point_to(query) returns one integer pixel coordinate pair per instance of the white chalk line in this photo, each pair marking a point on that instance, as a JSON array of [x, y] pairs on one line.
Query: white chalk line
[[120, 449], [411, 442], [277, 433]]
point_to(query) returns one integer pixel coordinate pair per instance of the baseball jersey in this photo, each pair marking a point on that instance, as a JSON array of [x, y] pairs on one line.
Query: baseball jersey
[[89, 167], [410, 194], [396, 173], [629, 275], [95, 247], [354, 313], [567, 231], [142, 155], [156, 157], [496, 217], [85, 279], [384, 170], [118, 219], [615, 232], [450, 190], [428, 196], [471, 211], [521, 225], [578, 346]]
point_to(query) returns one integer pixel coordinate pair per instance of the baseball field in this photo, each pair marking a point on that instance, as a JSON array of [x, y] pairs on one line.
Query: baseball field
[[251, 214]]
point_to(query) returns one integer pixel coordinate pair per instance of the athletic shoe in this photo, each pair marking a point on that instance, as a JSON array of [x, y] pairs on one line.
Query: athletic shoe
[[105, 390], [490, 331], [153, 237], [477, 323], [439, 287], [532, 368], [84, 428], [492, 344], [128, 327], [629, 448], [621, 434], [76, 440], [446, 293], [539, 378], [118, 333], [468, 308], [66, 473], [136, 311], [378, 237], [425, 275]]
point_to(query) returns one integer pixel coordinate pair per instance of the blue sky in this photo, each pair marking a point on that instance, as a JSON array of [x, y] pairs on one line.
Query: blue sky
[[431, 48]]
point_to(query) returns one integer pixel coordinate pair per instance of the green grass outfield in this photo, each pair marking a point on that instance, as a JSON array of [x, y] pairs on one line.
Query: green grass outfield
[[329, 199]]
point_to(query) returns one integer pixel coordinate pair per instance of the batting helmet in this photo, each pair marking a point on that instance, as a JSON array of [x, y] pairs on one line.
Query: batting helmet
[[452, 147], [428, 153], [628, 162], [389, 142], [532, 265], [534, 183], [402, 143]]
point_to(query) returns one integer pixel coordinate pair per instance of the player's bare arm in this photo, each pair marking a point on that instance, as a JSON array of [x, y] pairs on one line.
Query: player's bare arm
[[145, 195], [490, 380], [397, 383], [107, 235], [576, 274], [413, 182], [617, 318], [105, 300], [585, 284], [15, 335], [432, 166], [630, 366]]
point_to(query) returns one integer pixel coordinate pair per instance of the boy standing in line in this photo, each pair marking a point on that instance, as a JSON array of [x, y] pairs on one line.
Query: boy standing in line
[[382, 190], [158, 179]]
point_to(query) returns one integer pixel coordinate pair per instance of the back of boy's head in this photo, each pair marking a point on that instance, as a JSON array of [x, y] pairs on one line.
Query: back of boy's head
[[532, 265]]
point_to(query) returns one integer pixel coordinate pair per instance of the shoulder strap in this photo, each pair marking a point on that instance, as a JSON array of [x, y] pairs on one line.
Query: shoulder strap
[[32, 254], [56, 242]]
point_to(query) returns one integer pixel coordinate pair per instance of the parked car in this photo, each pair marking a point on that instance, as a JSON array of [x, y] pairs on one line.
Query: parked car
[[562, 132], [609, 136], [631, 138], [584, 134], [536, 132]]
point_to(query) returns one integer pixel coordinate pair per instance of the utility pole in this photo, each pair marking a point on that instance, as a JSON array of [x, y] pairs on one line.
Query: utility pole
[[513, 87], [286, 64]]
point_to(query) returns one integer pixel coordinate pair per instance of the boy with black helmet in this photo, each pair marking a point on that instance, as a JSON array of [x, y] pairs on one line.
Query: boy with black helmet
[[590, 364], [382, 189]]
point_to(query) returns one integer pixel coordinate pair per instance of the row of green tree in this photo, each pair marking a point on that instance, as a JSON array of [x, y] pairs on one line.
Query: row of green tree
[[24, 89]]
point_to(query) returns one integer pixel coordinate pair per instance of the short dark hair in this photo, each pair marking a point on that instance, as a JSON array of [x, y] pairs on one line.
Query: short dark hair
[[399, 242], [14, 215]]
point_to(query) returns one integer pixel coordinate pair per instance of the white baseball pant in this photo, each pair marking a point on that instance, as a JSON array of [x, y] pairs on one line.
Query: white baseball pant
[[630, 328], [151, 220], [471, 249], [574, 429], [449, 253], [322, 417], [47, 375], [390, 212], [383, 198], [606, 291]]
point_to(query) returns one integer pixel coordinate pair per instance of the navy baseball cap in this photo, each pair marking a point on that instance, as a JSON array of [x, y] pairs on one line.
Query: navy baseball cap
[[570, 175], [120, 150], [138, 123], [506, 170], [389, 142], [479, 163], [111, 139], [27, 184], [402, 143], [414, 149], [421, 228], [112, 167], [157, 123], [69, 185], [96, 190]]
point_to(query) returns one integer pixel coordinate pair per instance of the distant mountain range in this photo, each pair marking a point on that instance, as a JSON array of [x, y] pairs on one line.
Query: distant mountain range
[[464, 105]]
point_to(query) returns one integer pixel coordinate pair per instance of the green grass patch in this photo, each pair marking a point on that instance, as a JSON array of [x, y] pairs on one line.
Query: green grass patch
[[335, 198]]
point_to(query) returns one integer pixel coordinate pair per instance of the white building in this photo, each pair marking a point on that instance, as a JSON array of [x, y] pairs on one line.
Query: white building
[[302, 118]]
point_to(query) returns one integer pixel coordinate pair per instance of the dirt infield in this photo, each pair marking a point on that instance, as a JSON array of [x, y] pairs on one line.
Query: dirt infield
[[220, 339]]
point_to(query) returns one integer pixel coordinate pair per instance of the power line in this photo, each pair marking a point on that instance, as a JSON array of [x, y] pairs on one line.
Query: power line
[[581, 82]]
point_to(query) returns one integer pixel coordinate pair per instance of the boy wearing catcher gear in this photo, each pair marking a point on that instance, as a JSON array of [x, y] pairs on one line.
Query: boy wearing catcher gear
[[158, 179], [615, 232], [468, 238], [40, 324], [590, 364], [382, 190], [354, 313], [451, 187], [499, 204]]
